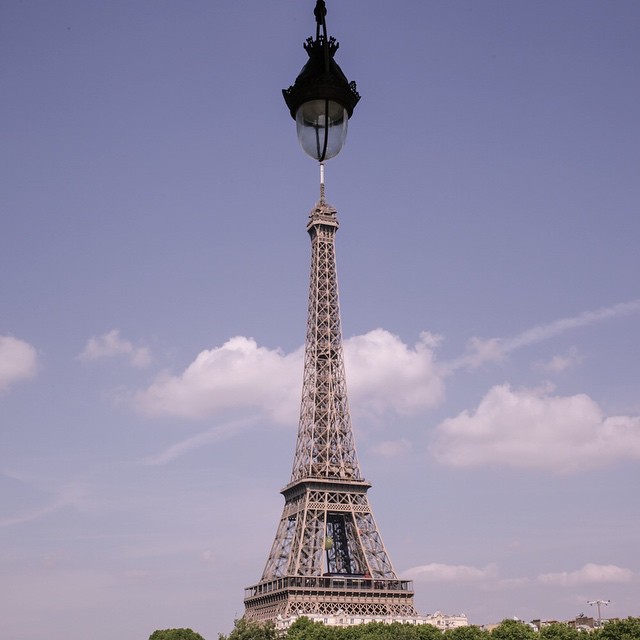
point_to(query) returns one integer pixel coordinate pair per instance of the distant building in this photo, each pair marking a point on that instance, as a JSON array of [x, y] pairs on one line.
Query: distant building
[[341, 619], [539, 624], [444, 621], [582, 622]]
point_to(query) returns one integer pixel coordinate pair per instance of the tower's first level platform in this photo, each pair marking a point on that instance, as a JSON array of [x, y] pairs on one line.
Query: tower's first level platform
[[354, 596]]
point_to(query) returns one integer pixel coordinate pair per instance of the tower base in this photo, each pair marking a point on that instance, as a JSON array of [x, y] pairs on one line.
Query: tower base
[[349, 596]]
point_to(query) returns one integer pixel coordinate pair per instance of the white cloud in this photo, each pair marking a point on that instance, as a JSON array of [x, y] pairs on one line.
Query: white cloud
[[481, 351], [239, 375], [488, 577], [536, 430], [111, 345], [589, 574], [450, 573], [18, 361], [383, 374]]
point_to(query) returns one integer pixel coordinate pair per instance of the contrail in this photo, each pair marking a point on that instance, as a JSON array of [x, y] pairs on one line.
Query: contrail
[[215, 434], [493, 349]]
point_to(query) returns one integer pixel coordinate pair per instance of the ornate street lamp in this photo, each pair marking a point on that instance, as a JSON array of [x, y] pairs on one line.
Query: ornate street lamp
[[321, 100]]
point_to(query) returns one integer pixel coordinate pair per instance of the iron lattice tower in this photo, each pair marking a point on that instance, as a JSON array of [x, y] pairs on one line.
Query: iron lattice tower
[[328, 556]]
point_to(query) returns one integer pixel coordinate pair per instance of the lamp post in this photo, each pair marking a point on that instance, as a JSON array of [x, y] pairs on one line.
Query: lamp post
[[327, 536], [598, 603], [321, 100]]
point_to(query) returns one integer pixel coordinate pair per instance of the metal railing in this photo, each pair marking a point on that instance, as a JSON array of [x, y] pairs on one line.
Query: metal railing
[[346, 583]]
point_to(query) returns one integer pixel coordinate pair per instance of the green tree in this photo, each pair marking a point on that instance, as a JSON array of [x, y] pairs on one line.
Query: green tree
[[466, 633], [302, 628], [305, 629], [428, 632], [513, 630], [559, 631], [627, 629], [175, 634], [246, 630], [353, 632]]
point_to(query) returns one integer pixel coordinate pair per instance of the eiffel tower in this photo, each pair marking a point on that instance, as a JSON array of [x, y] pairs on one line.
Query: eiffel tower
[[328, 556]]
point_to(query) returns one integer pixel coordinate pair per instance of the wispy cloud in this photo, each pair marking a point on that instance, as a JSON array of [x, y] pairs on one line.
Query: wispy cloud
[[561, 362], [436, 572], [18, 361], [215, 434], [531, 428], [481, 351], [111, 345], [68, 495], [488, 577], [589, 574]]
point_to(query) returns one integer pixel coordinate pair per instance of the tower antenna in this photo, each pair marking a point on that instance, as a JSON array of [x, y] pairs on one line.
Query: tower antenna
[[322, 200]]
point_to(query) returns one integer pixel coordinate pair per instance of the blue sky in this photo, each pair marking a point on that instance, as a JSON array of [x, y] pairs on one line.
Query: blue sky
[[155, 266]]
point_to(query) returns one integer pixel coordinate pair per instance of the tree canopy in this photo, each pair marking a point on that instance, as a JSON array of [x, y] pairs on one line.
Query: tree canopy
[[513, 630], [175, 634], [627, 629], [245, 630], [560, 631], [471, 632], [305, 629]]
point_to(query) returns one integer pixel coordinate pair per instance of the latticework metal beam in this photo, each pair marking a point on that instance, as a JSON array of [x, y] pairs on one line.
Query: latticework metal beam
[[327, 554]]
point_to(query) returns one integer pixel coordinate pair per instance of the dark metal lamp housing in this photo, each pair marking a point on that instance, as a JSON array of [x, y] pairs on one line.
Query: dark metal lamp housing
[[321, 99]]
